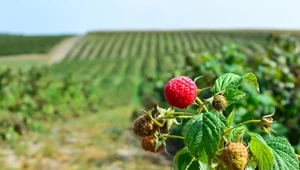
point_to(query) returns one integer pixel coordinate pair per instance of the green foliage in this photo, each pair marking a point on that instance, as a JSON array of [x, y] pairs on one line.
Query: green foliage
[[251, 78], [279, 88], [284, 154], [262, 152], [230, 119], [184, 161], [202, 135], [213, 142], [229, 83]]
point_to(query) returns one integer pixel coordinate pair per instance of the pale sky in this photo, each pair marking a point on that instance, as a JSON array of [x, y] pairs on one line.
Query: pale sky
[[80, 16]]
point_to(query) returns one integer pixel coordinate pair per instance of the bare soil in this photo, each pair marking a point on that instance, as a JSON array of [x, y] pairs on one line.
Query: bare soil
[[59, 52]]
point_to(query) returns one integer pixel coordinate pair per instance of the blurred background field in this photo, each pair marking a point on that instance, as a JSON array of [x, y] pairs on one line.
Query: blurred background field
[[75, 74], [77, 112]]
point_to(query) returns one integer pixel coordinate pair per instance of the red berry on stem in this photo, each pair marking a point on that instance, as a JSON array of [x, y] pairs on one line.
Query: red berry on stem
[[181, 92]]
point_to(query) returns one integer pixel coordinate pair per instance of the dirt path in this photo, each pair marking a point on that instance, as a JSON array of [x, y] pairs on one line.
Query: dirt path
[[55, 55], [61, 50]]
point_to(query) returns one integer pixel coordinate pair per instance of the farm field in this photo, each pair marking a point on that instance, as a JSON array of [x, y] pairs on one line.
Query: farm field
[[19, 44], [119, 59], [84, 102]]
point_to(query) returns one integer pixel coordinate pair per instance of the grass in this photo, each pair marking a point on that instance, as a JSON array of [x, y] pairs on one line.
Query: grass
[[24, 61]]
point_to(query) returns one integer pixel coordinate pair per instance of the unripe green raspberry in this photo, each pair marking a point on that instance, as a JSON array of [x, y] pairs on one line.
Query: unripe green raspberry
[[219, 102], [235, 156]]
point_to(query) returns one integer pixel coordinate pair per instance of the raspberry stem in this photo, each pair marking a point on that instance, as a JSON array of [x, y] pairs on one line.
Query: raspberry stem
[[155, 121], [201, 90], [173, 136], [188, 166], [180, 113], [172, 117], [225, 140], [241, 124], [202, 104]]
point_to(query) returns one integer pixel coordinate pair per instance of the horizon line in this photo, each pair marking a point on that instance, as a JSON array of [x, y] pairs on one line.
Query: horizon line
[[296, 30]]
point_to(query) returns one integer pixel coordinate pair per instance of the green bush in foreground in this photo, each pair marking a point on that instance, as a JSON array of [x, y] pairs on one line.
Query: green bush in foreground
[[212, 140], [278, 73]]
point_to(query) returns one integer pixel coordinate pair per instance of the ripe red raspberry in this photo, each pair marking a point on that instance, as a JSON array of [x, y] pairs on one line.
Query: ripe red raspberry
[[181, 92]]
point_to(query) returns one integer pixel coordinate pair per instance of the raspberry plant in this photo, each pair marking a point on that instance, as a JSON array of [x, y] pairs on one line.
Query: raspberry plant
[[212, 140]]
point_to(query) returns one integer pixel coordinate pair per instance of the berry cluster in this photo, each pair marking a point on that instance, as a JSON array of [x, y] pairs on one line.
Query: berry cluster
[[149, 129], [154, 129], [155, 125], [180, 92]]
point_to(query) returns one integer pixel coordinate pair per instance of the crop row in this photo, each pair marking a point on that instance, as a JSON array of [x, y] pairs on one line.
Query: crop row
[[110, 75], [111, 59], [115, 45]]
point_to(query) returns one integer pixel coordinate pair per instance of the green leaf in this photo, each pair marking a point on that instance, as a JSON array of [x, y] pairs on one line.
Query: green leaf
[[285, 156], [162, 111], [228, 79], [202, 135], [230, 118], [158, 143], [171, 122], [184, 161], [251, 166], [238, 134], [204, 166], [251, 78], [233, 95], [262, 152], [229, 121], [230, 82]]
